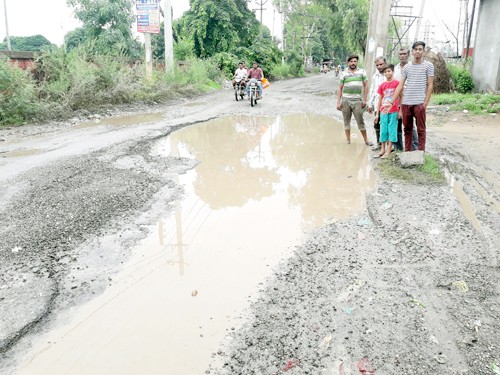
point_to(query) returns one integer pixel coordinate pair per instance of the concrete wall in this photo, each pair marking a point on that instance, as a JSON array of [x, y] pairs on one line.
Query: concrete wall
[[486, 58]]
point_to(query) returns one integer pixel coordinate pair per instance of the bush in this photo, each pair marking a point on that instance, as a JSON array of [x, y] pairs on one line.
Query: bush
[[18, 100], [474, 103], [226, 62], [183, 49], [461, 78], [280, 71], [464, 84]]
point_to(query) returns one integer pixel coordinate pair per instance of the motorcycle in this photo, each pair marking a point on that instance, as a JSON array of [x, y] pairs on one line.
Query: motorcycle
[[239, 90], [253, 94]]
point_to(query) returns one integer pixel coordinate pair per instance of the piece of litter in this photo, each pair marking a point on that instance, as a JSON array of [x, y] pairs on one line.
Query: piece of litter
[[361, 236], [495, 368], [194, 293], [349, 310], [416, 302], [16, 249], [386, 206], [466, 111], [364, 222], [460, 285], [290, 364], [325, 343]]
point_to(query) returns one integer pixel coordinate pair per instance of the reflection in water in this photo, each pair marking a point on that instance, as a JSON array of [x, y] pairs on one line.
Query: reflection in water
[[259, 183], [128, 120], [301, 157]]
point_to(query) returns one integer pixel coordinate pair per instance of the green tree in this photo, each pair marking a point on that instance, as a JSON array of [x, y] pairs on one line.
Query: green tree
[[219, 25], [340, 25], [107, 26], [27, 43]]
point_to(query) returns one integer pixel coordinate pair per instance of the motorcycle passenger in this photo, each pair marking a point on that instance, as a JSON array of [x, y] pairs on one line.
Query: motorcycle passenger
[[240, 74], [258, 74]]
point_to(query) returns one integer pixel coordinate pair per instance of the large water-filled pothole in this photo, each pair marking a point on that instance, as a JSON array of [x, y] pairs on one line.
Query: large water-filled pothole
[[261, 182]]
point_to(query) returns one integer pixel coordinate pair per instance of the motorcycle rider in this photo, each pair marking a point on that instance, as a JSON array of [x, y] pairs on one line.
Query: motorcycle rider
[[240, 75], [258, 74]]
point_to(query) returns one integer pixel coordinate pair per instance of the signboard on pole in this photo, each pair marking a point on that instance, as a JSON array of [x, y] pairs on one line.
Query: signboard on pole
[[148, 16]]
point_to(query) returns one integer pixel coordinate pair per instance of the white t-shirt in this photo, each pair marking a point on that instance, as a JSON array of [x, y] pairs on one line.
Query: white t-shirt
[[240, 74]]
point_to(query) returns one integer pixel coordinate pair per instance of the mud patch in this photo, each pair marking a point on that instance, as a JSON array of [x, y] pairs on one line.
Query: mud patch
[[260, 183]]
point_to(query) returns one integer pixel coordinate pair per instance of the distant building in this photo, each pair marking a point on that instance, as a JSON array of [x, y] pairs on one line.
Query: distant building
[[25, 60]]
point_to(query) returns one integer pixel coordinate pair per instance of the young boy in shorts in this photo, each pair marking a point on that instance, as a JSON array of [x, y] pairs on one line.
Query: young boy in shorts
[[388, 115]]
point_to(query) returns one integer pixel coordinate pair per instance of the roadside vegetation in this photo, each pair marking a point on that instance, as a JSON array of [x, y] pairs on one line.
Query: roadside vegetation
[[430, 173], [100, 63], [474, 103]]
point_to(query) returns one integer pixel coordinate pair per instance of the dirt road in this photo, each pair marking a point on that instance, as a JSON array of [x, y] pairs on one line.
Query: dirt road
[[207, 236]]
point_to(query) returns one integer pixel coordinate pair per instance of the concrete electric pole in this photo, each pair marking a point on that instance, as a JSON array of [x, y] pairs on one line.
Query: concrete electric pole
[[419, 20], [7, 36], [378, 29], [169, 44]]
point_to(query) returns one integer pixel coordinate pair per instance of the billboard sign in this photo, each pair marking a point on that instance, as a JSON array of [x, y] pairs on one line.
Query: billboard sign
[[148, 16]]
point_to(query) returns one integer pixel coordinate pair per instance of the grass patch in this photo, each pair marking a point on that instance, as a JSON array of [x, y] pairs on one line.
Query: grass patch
[[474, 103], [429, 173]]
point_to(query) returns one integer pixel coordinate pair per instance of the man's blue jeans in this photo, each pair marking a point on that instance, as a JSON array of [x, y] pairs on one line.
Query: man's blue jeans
[[259, 84]]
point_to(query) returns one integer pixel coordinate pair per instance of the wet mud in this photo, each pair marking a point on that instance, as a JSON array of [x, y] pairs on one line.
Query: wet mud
[[256, 244], [261, 182]]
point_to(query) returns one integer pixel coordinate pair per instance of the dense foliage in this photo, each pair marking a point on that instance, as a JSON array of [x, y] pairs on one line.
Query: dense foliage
[[325, 29], [226, 30], [18, 100], [107, 27], [32, 43], [462, 79]]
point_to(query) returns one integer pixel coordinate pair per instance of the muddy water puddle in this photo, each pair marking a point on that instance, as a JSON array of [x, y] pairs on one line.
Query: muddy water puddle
[[140, 118], [261, 183], [21, 153]]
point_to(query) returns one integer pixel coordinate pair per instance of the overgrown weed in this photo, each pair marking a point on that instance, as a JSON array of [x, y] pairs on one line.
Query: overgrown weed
[[429, 173], [79, 80], [474, 103]]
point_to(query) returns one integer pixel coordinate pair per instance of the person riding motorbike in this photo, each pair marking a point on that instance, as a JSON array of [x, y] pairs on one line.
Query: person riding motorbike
[[258, 74], [240, 75]]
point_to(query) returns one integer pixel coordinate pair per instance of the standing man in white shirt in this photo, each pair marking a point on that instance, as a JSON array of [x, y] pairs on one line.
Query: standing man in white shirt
[[377, 79], [403, 55]]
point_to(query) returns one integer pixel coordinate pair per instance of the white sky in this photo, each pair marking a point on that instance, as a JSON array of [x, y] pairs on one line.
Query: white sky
[[53, 18]]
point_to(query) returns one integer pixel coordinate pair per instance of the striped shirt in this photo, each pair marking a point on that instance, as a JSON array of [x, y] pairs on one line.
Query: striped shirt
[[353, 83], [415, 88]]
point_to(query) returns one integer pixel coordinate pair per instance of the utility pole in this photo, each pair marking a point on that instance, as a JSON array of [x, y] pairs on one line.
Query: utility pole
[[378, 29], [149, 54], [261, 8], [169, 44], [7, 36], [470, 31], [419, 20]]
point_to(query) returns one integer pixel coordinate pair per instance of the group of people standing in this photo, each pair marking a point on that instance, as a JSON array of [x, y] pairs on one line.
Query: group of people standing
[[398, 95]]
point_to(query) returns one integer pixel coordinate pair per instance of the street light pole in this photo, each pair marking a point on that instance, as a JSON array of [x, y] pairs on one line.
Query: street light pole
[[7, 36]]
